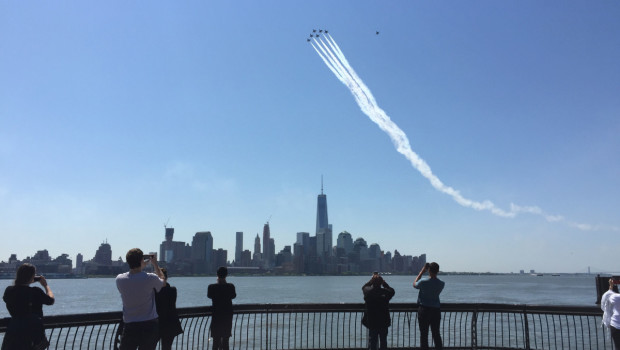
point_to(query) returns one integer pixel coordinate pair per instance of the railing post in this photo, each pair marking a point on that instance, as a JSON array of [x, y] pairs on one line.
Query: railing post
[[268, 316], [527, 328], [474, 329]]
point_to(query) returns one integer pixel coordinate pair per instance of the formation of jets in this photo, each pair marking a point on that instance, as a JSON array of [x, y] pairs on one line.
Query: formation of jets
[[316, 34]]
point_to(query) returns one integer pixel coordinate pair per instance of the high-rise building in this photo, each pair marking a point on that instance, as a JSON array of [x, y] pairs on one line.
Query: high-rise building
[[79, 259], [323, 228], [220, 257], [302, 237], [266, 246], [169, 250], [257, 250], [103, 255], [345, 242], [202, 252], [374, 251], [238, 248]]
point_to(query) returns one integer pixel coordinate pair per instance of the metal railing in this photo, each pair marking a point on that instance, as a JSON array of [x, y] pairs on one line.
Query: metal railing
[[338, 326]]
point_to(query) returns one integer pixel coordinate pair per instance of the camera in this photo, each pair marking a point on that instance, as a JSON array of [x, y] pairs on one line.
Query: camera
[[37, 278], [616, 280]]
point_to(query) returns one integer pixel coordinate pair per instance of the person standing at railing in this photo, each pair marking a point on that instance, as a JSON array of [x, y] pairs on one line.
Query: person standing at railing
[[610, 303], [429, 312], [377, 295], [221, 294], [25, 304], [138, 288], [169, 323]]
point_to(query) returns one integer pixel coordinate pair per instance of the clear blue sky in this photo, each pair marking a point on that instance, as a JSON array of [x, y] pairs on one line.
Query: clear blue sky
[[117, 115]]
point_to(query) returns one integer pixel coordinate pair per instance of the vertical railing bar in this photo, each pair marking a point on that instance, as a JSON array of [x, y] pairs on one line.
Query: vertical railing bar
[[267, 329], [66, 337], [246, 320], [105, 334], [561, 332], [313, 325], [288, 338], [254, 330], [474, 329], [526, 327]]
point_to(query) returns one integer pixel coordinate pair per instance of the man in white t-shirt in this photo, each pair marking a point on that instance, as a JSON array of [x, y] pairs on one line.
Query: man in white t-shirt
[[610, 303], [137, 288]]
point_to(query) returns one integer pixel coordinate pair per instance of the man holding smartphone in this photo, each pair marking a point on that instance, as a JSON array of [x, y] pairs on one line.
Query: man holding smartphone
[[429, 313], [137, 288]]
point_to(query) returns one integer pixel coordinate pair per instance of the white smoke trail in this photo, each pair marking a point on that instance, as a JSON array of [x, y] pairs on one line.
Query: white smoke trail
[[333, 57]]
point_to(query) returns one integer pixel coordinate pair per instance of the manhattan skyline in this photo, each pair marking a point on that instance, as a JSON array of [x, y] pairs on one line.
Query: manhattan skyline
[[115, 118]]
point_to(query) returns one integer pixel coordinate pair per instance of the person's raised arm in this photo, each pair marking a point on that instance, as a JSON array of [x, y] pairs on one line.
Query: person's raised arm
[[156, 268], [424, 269], [47, 288]]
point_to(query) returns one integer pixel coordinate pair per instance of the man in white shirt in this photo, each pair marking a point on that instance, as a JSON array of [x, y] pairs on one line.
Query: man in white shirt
[[137, 288]]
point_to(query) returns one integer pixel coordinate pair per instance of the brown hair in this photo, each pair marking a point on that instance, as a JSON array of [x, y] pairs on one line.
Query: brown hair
[[134, 258]]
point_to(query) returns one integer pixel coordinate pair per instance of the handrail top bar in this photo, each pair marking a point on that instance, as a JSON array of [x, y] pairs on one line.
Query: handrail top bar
[[115, 316]]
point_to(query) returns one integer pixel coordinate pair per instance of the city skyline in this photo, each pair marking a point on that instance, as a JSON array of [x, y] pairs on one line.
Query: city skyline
[[116, 119]]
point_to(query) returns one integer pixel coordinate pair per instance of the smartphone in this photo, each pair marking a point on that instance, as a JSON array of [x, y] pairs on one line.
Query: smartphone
[[37, 278]]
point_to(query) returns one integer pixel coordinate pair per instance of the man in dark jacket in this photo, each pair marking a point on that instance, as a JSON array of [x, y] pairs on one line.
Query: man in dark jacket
[[377, 295]]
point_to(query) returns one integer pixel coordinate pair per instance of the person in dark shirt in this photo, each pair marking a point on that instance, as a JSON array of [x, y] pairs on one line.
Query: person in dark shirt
[[169, 323], [221, 294], [377, 295], [25, 304]]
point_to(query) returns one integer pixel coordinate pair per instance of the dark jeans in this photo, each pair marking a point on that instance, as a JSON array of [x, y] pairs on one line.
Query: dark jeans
[[615, 337], [374, 334], [220, 343], [166, 342], [429, 316], [140, 335]]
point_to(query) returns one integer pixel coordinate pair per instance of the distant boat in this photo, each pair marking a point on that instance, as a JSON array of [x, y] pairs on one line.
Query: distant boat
[[536, 274], [555, 274]]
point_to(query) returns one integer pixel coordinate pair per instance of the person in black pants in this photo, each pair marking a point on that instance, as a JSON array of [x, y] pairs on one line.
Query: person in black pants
[[429, 312], [169, 323], [377, 295], [221, 294]]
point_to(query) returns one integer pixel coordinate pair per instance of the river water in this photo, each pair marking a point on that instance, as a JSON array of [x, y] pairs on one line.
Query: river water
[[100, 294]]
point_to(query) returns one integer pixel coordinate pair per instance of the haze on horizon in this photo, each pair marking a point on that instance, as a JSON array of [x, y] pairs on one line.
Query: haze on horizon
[[115, 117]]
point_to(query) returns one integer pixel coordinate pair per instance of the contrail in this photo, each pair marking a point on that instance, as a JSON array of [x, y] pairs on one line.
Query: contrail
[[334, 59]]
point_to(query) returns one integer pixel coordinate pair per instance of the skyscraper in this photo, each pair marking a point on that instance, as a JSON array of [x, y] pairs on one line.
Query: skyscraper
[[323, 228], [202, 252], [321, 211], [345, 241], [169, 250], [239, 248], [266, 246], [257, 255]]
